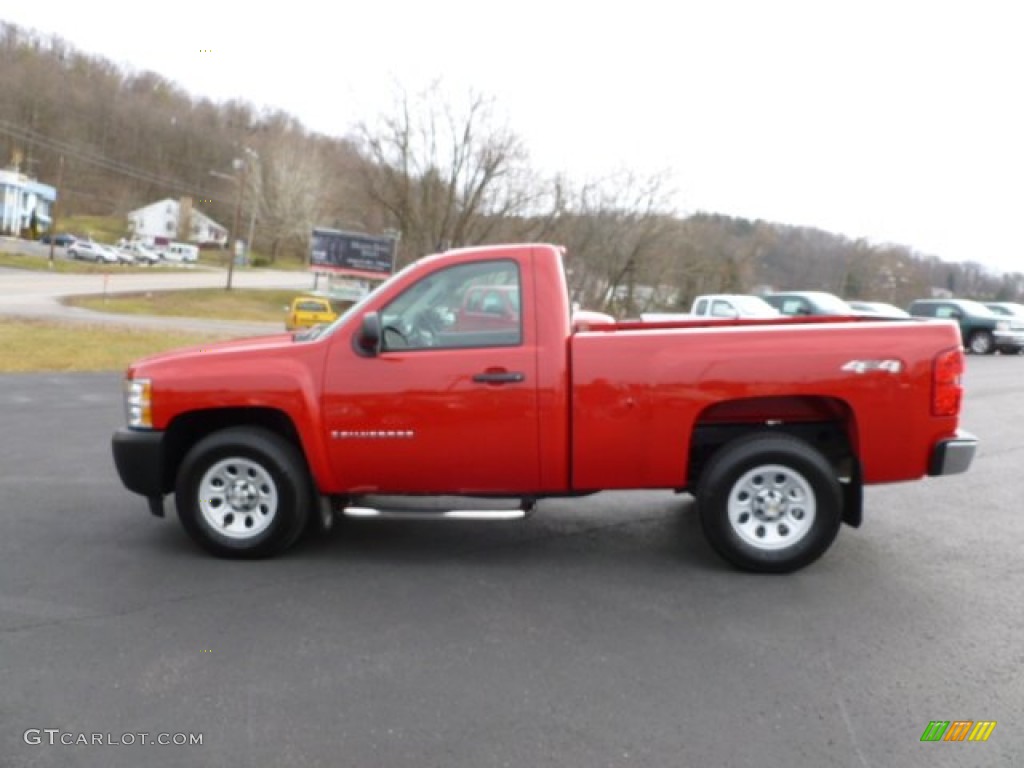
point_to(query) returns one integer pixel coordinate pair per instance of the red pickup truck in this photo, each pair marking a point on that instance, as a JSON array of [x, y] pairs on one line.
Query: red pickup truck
[[398, 408]]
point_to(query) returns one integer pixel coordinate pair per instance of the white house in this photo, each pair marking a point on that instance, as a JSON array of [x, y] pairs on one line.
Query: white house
[[160, 221], [20, 197]]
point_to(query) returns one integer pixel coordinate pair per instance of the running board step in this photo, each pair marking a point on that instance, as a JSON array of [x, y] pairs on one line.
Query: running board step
[[450, 514], [437, 508]]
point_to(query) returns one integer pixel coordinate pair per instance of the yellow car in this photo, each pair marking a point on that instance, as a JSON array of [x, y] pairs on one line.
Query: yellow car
[[307, 311]]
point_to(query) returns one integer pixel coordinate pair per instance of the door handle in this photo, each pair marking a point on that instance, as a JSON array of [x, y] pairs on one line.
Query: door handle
[[499, 377]]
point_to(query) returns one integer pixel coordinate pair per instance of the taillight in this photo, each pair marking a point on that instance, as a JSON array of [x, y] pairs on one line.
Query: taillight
[[947, 391]]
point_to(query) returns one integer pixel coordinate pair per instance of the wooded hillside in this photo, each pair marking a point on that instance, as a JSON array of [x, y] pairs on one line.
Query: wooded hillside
[[439, 171]]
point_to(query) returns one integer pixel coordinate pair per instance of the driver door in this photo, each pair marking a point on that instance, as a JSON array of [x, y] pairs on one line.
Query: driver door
[[447, 406]]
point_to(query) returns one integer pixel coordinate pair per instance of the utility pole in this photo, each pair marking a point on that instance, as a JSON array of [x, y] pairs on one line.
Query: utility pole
[[56, 205], [252, 206], [241, 167], [240, 182]]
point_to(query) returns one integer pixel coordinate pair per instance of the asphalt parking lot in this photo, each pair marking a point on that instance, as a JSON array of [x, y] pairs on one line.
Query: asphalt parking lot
[[600, 632]]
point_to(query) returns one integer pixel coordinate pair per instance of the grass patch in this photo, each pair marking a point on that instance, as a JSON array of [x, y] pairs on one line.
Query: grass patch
[[285, 263], [218, 258], [103, 229], [211, 303], [33, 345]]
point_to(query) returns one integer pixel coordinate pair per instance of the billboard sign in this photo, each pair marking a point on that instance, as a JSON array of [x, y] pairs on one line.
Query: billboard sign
[[332, 250]]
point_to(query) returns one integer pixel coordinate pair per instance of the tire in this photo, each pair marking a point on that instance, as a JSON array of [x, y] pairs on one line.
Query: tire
[[243, 492], [981, 343], [769, 503]]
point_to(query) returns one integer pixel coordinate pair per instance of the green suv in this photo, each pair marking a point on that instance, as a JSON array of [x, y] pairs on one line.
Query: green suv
[[982, 331]]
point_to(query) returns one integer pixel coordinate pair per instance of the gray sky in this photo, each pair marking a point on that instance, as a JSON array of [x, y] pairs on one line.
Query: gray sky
[[897, 121]]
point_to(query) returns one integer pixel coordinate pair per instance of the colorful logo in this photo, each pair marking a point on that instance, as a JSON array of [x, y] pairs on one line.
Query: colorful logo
[[958, 730]]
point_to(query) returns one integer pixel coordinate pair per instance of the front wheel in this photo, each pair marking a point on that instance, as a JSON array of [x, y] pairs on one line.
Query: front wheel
[[243, 492], [769, 503]]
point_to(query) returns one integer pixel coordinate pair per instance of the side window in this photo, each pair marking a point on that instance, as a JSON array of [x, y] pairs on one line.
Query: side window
[[791, 307], [701, 307], [722, 309], [944, 310], [470, 305]]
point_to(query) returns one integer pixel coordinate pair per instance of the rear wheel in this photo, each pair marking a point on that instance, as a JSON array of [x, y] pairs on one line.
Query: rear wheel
[[981, 343], [243, 492], [769, 503]]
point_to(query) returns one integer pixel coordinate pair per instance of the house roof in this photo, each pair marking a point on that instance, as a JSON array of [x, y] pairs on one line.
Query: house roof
[[21, 181], [176, 204]]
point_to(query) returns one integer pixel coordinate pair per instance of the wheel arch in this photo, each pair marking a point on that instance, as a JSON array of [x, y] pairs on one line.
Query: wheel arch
[[827, 424], [189, 428]]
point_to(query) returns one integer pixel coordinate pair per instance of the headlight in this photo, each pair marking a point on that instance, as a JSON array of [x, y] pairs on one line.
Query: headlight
[[1002, 325], [138, 403]]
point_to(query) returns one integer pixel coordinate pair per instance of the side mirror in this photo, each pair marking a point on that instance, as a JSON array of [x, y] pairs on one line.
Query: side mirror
[[370, 335]]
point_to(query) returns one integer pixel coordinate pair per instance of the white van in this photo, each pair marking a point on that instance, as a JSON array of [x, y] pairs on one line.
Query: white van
[[187, 254]]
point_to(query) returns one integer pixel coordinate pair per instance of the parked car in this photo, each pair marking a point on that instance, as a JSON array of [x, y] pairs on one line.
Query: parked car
[[86, 250], [307, 311], [124, 256], [879, 308], [142, 253], [92, 251], [982, 331], [63, 239], [809, 303], [108, 254], [486, 308]]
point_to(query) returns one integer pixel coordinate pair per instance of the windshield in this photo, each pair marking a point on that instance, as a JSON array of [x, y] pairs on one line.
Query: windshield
[[976, 308], [1007, 308], [830, 303], [327, 330]]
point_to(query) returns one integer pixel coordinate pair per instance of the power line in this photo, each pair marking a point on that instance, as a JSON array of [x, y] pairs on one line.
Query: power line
[[100, 161]]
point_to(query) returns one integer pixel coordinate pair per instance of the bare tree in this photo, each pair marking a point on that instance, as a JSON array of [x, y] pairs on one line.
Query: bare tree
[[289, 184], [444, 175], [617, 233]]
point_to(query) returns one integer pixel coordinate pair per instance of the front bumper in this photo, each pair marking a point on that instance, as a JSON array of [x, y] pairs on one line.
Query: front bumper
[[953, 455], [1009, 339], [139, 458]]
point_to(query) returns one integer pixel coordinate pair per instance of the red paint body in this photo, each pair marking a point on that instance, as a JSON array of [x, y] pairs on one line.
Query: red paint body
[[612, 407]]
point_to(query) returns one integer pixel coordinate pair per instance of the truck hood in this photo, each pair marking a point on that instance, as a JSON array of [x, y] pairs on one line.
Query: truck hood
[[217, 351]]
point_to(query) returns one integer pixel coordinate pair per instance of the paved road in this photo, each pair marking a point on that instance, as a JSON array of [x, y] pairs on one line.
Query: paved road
[[37, 295], [601, 632]]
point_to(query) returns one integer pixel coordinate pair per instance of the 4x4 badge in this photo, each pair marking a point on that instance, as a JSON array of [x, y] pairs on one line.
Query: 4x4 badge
[[863, 366]]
